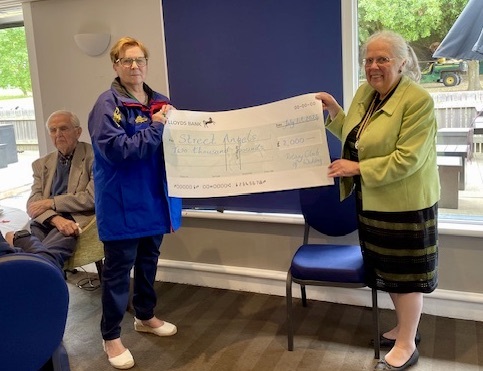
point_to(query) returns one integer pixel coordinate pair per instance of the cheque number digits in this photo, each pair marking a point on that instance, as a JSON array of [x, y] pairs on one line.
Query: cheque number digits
[[304, 105]]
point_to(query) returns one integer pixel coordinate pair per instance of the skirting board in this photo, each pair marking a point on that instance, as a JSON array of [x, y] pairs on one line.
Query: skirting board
[[443, 303]]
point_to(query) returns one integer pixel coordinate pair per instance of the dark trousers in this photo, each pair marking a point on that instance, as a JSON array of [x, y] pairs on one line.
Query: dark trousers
[[60, 246], [32, 245], [120, 257]]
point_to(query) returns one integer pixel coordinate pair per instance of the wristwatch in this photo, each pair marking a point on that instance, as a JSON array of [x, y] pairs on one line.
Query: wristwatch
[[21, 234]]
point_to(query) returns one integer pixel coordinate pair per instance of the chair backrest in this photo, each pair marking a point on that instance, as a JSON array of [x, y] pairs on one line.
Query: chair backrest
[[323, 210], [33, 311], [89, 248]]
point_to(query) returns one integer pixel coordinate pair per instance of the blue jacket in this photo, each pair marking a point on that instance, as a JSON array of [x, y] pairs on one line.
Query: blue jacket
[[397, 151], [131, 193]]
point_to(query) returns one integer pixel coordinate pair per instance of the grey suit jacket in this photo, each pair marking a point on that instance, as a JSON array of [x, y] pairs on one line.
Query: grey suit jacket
[[79, 199]]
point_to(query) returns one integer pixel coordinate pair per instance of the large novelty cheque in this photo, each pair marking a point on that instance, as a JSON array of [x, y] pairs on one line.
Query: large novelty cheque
[[272, 147]]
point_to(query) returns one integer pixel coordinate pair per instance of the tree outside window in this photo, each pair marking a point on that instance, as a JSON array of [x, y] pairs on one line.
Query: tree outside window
[[14, 64]]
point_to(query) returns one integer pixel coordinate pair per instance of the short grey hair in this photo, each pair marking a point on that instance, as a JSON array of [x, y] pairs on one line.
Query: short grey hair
[[401, 49], [73, 119]]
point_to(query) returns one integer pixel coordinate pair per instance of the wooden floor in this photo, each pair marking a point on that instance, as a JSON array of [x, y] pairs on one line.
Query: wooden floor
[[224, 330]]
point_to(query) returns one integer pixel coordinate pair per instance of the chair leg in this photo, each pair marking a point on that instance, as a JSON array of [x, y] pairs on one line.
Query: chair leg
[[100, 267], [73, 271], [289, 311], [304, 295], [375, 320]]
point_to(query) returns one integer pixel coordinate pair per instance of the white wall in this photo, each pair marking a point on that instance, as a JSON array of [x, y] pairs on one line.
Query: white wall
[[254, 256], [63, 77], [245, 255]]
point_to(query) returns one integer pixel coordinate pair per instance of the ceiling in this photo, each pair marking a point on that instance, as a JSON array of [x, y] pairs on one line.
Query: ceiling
[[10, 12], [12, 3], [5, 4]]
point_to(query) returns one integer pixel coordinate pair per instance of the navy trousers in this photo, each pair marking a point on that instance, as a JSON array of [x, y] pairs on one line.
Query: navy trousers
[[59, 246], [33, 245], [120, 257]]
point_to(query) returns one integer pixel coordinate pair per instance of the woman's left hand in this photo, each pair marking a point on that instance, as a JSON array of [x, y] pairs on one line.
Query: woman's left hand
[[343, 168]]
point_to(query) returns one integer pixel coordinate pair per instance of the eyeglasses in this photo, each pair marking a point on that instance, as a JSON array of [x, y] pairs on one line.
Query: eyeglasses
[[127, 62], [61, 129], [380, 61]]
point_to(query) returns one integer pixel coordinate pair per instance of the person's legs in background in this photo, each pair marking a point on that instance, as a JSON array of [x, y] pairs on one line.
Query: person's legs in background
[[62, 246], [56, 249], [38, 230]]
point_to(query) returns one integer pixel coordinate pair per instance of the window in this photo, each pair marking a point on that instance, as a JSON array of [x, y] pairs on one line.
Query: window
[[18, 132], [459, 143]]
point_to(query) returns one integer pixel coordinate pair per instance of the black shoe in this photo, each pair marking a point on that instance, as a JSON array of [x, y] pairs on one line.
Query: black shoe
[[383, 365], [389, 343]]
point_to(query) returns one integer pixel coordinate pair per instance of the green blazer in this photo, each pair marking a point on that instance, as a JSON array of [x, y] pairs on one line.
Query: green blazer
[[397, 150]]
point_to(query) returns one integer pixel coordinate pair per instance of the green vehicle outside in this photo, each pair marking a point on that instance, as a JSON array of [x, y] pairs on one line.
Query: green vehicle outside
[[447, 72]]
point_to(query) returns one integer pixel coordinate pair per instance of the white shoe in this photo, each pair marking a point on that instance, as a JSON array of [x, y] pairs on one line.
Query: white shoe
[[166, 329], [123, 361]]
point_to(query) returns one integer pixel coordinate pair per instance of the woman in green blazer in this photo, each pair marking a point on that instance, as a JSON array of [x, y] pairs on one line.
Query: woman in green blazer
[[389, 159]]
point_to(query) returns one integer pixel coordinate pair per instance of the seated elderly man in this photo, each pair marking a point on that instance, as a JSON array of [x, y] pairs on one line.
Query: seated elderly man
[[61, 202]]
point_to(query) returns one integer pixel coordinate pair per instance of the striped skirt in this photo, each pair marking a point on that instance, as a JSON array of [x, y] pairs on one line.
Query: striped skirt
[[400, 249]]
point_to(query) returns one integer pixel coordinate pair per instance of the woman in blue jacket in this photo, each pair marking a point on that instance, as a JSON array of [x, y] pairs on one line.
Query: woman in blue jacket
[[133, 208], [389, 159]]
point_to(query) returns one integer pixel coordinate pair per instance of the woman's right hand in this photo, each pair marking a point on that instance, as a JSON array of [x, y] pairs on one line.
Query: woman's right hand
[[343, 168], [329, 104], [161, 115]]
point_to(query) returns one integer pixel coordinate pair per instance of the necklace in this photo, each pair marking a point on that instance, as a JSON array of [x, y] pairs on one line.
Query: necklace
[[373, 107]]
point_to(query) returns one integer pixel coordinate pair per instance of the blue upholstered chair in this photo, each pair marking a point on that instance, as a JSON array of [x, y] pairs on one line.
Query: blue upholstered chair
[[33, 312], [328, 264]]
